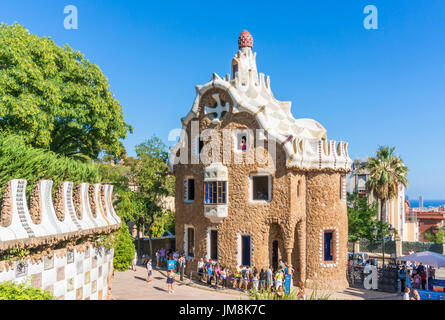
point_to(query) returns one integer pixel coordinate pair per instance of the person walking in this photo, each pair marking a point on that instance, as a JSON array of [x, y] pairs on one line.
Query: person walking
[[158, 256], [255, 280], [162, 254], [149, 270], [209, 274], [182, 267], [170, 280], [135, 260], [238, 276], [416, 295], [423, 277]]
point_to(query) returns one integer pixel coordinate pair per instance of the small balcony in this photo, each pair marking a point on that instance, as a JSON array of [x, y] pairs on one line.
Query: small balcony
[[216, 213]]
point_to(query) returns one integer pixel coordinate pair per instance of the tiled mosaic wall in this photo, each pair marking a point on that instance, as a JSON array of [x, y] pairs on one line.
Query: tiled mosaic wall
[[80, 274]]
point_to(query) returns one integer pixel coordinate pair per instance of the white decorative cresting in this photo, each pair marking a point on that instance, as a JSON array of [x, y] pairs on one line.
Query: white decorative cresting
[[87, 215], [70, 214], [20, 209], [100, 217], [304, 140], [110, 204], [107, 209], [49, 218]]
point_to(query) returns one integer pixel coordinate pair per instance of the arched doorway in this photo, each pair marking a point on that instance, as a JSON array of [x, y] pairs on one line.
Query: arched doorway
[[275, 254]]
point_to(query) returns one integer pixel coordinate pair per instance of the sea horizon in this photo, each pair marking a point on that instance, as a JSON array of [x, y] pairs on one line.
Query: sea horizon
[[426, 203]]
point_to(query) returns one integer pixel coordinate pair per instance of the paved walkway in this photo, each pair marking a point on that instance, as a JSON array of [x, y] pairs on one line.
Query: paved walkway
[[131, 285]]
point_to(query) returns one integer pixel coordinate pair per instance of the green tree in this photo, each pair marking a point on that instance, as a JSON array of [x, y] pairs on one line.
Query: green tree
[[154, 182], [124, 249], [386, 173], [55, 98], [23, 291], [361, 218], [436, 235]]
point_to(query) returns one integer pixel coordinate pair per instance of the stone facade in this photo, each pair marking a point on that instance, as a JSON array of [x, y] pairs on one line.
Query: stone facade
[[304, 203]]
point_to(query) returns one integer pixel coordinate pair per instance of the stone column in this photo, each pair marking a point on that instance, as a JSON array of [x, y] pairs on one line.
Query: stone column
[[301, 240], [398, 243], [356, 246]]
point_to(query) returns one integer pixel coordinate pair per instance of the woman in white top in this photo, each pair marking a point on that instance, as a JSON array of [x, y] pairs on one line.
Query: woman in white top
[[135, 259], [200, 268], [149, 270], [406, 294]]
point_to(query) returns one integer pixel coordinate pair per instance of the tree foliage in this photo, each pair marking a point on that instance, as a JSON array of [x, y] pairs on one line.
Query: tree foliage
[[124, 249], [362, 220], [386, 173], [55, 98], [13, 291], [435, 236], [20, 161]]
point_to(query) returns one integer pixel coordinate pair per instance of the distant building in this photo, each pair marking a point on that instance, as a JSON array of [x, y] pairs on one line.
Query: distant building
[[429, 222], [395, 208], [420, 202]]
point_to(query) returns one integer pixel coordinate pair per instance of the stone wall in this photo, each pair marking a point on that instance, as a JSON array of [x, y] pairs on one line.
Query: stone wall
[[49, 227]]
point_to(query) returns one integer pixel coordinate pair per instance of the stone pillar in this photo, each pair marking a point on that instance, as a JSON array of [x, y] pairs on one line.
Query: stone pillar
[[301, 241], [399, 249], [356, 246]]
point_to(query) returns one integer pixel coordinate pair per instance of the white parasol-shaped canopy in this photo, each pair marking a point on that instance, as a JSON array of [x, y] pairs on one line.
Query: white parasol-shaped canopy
[[436, 260]]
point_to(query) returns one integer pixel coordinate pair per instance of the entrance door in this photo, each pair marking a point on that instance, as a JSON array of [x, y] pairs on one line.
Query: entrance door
[[245, 250], [275, 254]]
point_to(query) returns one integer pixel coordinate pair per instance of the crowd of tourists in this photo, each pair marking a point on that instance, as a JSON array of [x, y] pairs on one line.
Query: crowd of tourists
[[416, 276], [242, 277]]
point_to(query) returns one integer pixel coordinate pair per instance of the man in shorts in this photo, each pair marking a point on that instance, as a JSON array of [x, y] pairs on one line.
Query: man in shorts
[[162, 254], [149, 270]]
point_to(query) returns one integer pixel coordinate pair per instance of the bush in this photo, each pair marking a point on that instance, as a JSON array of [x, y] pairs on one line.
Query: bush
[[13, 291], [124, 249], [20, 161]]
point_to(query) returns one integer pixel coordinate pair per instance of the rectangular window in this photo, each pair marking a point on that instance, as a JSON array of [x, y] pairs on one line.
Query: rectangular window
[[329, 246], [214, 245], [260, 188], [215, 192], [245, 250], [190, 242], [189, 190]]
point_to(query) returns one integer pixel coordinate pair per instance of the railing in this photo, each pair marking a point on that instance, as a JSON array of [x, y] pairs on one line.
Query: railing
[[431, 295], [387, 278]]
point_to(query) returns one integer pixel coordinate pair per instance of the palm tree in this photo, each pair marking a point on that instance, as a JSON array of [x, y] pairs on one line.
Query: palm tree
[[386, 172]]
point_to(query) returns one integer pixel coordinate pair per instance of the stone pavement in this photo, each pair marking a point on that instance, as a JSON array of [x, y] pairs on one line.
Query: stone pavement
[[131, 285]]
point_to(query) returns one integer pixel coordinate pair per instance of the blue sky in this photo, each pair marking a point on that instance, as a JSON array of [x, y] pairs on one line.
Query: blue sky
[[367, 87]]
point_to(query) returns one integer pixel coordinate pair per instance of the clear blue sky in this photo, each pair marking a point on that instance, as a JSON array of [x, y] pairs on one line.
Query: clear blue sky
[[367, 87]]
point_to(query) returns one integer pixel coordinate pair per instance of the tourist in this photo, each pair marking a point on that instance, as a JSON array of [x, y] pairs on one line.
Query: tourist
[[417, 281], [135, 259], [402, 277], [262, 279], [224, 275], [416, 295], [149, 270], [170, 280], [243, 144], [408, 283], [423, 276], [158, 256], [182, 266], [162, 255], [406, 294], [238, 276], [210, 274], [279, 278], [245, 275], [255, 280], [200, 269], [217, 275], [281, 265], [269, 275]]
